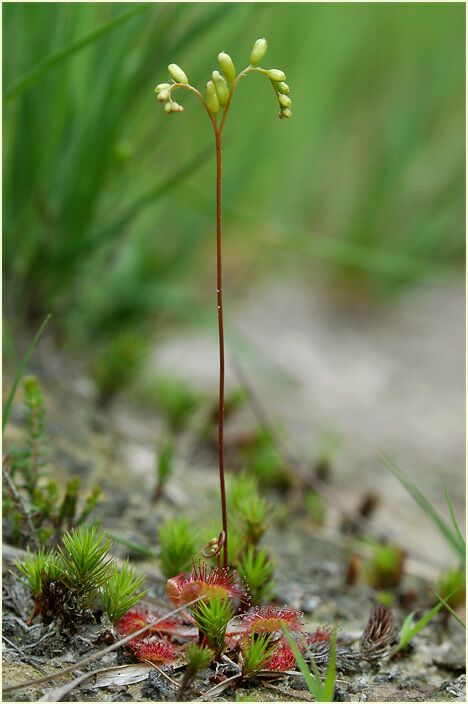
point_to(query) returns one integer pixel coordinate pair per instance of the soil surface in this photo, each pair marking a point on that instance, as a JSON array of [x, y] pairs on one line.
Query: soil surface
[[388, 380]]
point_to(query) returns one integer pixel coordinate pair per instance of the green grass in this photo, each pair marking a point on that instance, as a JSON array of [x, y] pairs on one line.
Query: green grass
[[108, 207], [321, 688], [450, 532]]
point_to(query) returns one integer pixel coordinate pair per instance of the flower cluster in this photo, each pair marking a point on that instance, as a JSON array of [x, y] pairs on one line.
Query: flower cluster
[[220, 88]]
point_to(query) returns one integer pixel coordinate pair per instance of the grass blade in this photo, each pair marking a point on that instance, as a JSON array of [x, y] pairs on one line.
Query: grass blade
[[330, 676], [314, 688], [451, 537], [41, 68], [454, 520], [407, 633], [449, 608], [20, 372], [133, 546]]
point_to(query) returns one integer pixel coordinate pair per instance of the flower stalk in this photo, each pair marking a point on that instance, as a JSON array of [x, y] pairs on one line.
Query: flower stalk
[[218, 100]]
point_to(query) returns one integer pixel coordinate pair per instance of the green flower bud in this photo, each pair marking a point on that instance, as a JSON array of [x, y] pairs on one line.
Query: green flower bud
[[258, 51], [163, 96], [212, 98], [285, 112], [168, 107], [221, 86], [227, 67], [162, 86], [282, 87], [177, 74], [284, 101], [276, 75]]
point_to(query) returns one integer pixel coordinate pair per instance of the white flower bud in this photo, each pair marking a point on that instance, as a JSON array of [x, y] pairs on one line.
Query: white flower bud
[[282, 87], [163, 96], [284, 101], [274, 74], [177, 74], [227, 67], [221, 86], [258, 51], [285, 112], [212, 98], [162, 86], [168, 107]]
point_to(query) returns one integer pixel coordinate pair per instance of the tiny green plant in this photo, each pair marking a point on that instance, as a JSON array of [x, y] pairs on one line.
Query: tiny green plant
[[198, 658], [248, 511], [322, 689], [34, 509], [410, 628], [384, 568], [120, 592], [315, 507], [69, 581], [255, 652], [256, 569], [266, 463], [176, 400], [84, 557], [217, 102], [177, 545], [34, 566], [117, 364], [212, 617], [164, 467]]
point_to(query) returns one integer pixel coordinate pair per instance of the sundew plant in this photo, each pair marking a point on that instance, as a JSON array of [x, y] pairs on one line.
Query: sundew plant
[[216, 100]]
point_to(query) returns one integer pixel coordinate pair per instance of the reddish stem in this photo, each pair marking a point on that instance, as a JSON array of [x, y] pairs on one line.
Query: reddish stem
[[219, 290]]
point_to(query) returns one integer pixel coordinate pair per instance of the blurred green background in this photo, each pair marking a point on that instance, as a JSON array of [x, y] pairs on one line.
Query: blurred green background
[[109, 203]]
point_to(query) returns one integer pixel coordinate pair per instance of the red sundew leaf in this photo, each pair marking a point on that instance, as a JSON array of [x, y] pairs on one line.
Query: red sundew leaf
[[137, 618], [282, 659], [268, 619], [157, 651], [319, 636], [204, 581]]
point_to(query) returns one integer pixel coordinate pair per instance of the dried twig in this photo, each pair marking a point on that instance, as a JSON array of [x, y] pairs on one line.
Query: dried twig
[[26, 658], [162, 673], [286, 693], [57, 693]]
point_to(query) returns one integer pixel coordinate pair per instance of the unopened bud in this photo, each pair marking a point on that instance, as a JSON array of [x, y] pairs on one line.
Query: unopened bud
[[227, 67], [282, 87], [168, 107], [258, 51], [162, 86], [177, 74], [177, 108], [284, 101], [221, 86], [212, 98], [276, 75], [285, 112], [163, 96]]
